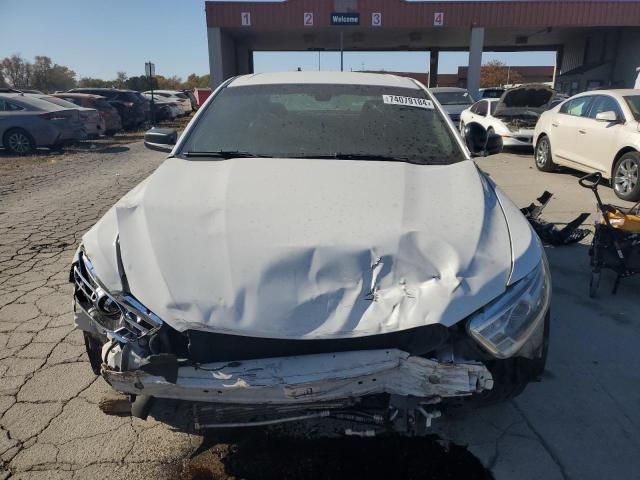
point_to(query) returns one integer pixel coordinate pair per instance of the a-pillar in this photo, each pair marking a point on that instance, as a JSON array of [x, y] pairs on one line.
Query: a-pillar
[[223, 57], [475, 60], [433, 67]]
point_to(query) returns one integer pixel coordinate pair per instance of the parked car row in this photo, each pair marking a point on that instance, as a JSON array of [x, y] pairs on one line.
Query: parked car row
[[27, 121]]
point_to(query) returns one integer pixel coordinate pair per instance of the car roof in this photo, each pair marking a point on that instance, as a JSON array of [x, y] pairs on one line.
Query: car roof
[[616, 92], [335, 78], [99, 89], [447, 89], [77, 95], [164, 91], [33, 100]]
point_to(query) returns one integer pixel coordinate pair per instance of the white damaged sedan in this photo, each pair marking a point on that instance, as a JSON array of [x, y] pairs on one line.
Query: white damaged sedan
[[316, 247]]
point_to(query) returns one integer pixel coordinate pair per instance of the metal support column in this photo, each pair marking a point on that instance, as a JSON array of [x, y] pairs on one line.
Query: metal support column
[[476, 45], [433, 68]]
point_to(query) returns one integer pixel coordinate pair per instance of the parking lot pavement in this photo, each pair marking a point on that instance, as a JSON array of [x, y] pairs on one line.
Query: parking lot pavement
[[49, 419], [581, 422]]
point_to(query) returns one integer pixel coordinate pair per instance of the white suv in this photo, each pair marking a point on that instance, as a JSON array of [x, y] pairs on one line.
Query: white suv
[[594, 132]]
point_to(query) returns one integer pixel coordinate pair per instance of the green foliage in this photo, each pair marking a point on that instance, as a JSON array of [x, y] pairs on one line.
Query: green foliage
[[141, 83], [45, 75], [16, 71], [49, 77], [89, 82]]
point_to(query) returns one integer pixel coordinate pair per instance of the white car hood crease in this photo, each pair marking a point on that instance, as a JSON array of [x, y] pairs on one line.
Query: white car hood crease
[[308, 249]]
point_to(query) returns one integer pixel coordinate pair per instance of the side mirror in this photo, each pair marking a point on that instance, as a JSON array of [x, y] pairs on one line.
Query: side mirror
[[479, 142], [160, 139], [608, 116]]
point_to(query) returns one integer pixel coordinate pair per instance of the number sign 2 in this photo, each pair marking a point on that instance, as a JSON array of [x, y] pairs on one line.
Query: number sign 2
[[308, 19]]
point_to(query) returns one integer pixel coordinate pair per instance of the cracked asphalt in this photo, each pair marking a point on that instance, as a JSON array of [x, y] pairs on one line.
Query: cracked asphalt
[[581, 422], [50, 424]]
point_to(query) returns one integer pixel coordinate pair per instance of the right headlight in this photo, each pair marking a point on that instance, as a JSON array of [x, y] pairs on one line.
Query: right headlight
[[503, 326]]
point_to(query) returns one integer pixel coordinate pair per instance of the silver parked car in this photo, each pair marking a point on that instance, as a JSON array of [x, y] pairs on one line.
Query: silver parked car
[[27, 123], [90, 120]]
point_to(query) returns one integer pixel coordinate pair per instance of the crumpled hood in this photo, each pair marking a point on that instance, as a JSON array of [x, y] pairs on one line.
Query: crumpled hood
[[530, 99], [299, 248]]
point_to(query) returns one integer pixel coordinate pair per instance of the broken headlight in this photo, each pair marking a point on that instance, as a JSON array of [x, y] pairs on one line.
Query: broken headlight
[[504, 325], [119, 316]]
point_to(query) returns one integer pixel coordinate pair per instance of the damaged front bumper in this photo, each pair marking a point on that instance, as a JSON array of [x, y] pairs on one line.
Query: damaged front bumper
[[386, 388], [393, 382], [308, 378]]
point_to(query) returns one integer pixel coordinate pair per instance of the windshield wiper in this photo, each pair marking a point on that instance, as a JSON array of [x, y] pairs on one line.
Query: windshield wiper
[[354, 156], [225, 154]]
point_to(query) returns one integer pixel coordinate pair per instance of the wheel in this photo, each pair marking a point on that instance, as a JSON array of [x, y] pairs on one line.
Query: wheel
[[625, 177], [19, 141], [542, 154], [594, 283]]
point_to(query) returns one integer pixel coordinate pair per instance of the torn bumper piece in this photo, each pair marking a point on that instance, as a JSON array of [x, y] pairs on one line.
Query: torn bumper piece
[[310, 379]]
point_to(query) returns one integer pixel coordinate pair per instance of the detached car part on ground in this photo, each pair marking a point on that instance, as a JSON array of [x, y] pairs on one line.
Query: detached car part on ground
[[305, 254]]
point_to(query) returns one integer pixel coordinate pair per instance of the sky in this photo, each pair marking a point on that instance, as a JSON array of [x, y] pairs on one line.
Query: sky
[[97, 38]]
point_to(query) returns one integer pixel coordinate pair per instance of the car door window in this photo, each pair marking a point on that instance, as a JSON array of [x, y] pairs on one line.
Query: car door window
[[492, 107], [578, 107], [482, 109], [77, 101], [605, 103]]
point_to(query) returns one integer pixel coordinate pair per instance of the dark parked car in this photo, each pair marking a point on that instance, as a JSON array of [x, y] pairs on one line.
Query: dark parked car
[[133, 108]]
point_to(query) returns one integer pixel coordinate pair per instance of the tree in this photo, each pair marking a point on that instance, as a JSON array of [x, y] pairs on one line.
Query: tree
[[16, 70], [89, 82], [49, 77], [141, 83], [170, 83], [196, 81], [496, 74], [120, 81]]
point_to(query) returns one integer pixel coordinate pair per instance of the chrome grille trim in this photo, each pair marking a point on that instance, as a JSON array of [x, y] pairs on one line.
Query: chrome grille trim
[[135, 319]]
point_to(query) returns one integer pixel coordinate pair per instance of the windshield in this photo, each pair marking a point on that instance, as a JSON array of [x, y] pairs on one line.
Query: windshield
[[453, 98], [325, 120], [493, 93], [634, 105]]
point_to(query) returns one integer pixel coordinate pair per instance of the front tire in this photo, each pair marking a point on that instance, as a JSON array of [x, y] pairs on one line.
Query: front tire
[[542, 155], [625, 177], [19, 142]]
